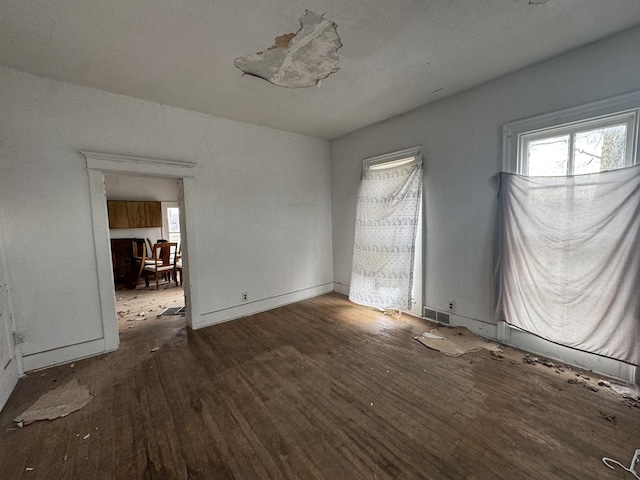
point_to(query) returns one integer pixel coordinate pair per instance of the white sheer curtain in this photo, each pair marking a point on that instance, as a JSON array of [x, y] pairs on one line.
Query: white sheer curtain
[[570, 260], [388, 205]]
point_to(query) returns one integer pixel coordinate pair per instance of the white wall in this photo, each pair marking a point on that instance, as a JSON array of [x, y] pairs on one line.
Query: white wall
[[262, 208], [461, 139], [120, 186]]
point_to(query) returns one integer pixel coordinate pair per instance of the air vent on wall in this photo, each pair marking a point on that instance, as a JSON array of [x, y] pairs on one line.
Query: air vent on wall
[[434, 315], [430, 314]]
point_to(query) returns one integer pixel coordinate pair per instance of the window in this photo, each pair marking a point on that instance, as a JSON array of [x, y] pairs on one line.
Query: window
[[588, 139], [173, 222], [389, 164], [395, 224], [583, 147]]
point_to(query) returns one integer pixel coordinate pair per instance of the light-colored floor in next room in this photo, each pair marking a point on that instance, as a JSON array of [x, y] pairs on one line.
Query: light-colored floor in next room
[[139, 308]]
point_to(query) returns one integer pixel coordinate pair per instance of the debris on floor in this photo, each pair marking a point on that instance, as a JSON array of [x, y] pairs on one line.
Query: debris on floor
[[630, 394], [154, 349], [455, 341], [56, 403], [607, 417], [577, 381], [392, 312], [432, 335], [631, 403], [531, 360], [627, 391]]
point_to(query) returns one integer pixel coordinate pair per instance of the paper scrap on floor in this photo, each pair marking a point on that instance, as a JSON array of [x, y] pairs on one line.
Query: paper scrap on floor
[[455, 341], [56, 403]]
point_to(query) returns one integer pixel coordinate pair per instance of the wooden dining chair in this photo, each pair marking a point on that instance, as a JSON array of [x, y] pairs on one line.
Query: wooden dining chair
[[163, 262], [138, 261], [150, 247], [177, 266]]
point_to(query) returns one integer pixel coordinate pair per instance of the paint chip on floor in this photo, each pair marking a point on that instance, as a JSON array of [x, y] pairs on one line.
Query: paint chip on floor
[[455, 341], [56, 403]]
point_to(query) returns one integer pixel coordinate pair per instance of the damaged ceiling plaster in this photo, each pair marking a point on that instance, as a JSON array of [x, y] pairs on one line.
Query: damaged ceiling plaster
[[298, 59]]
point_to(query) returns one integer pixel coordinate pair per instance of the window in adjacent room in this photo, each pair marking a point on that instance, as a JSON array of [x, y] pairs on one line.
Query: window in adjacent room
[[173, 224]]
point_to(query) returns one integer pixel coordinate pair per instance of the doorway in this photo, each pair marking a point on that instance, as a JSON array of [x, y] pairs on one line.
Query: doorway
[[144, 212], [99, 164]]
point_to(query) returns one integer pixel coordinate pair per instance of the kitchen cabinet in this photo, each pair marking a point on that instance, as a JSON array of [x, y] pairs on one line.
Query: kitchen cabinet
[[131, 214]]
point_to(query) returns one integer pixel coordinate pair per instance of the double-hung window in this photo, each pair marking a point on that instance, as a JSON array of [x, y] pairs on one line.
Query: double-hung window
[[568, 263], [588, 139]]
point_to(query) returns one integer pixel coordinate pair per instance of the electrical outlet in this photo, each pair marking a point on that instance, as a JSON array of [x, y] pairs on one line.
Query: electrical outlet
[[245, 297], [452, 305]]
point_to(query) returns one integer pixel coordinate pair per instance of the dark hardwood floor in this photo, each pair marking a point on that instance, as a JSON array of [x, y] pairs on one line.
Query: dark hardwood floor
[[320, 389]]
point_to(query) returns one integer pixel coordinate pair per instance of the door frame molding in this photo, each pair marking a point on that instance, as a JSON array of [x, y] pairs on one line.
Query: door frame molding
[[13, 369], [97, 164]]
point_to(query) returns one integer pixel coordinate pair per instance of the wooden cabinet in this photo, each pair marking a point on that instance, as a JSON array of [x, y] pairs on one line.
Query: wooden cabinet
[[128, 214], [153, 214], [118, 214]]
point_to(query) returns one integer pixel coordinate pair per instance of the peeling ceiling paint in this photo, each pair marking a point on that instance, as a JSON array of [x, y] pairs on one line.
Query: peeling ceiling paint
[[300, 59]]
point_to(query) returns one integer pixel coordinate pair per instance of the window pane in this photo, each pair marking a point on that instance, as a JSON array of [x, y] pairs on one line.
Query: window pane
[[600, 149], [548, 156], [173, 218]]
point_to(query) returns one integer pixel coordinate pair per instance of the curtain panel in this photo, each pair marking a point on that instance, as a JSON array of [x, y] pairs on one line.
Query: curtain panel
[[569, 260], [388, 206]]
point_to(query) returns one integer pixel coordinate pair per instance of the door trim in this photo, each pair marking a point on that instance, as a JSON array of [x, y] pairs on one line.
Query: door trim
[[97, 164]]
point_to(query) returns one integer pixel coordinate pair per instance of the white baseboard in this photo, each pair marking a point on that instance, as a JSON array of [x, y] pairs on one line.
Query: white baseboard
[[9, 379], [513, 337], [62, 355], [251, 308], [341, 288], [484, 329], [602, 365]]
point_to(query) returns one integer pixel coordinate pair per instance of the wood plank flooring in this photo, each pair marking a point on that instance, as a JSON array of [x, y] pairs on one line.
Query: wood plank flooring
[[321, 389]]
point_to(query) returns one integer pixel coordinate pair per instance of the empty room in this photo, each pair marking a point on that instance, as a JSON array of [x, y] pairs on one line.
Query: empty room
[[331, 240]]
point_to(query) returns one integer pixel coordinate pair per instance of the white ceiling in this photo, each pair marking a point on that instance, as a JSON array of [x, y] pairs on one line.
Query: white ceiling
[[395, 53]]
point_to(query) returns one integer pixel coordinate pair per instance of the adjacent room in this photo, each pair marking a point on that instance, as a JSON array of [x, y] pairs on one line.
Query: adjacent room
[[147, 274], [332, 240]]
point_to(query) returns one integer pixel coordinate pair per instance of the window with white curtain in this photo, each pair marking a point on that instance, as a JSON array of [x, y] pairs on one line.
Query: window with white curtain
[[387, 226], [569, 228]]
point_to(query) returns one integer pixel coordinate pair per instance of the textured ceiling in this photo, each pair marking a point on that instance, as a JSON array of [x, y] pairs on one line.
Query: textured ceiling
[[396, 54]]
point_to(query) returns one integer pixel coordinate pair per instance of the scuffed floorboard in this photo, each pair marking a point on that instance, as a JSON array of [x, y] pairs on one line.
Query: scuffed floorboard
[[320, 389]]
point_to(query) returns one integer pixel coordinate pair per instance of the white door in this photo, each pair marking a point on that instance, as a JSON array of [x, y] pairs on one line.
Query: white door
[[8, 364]]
